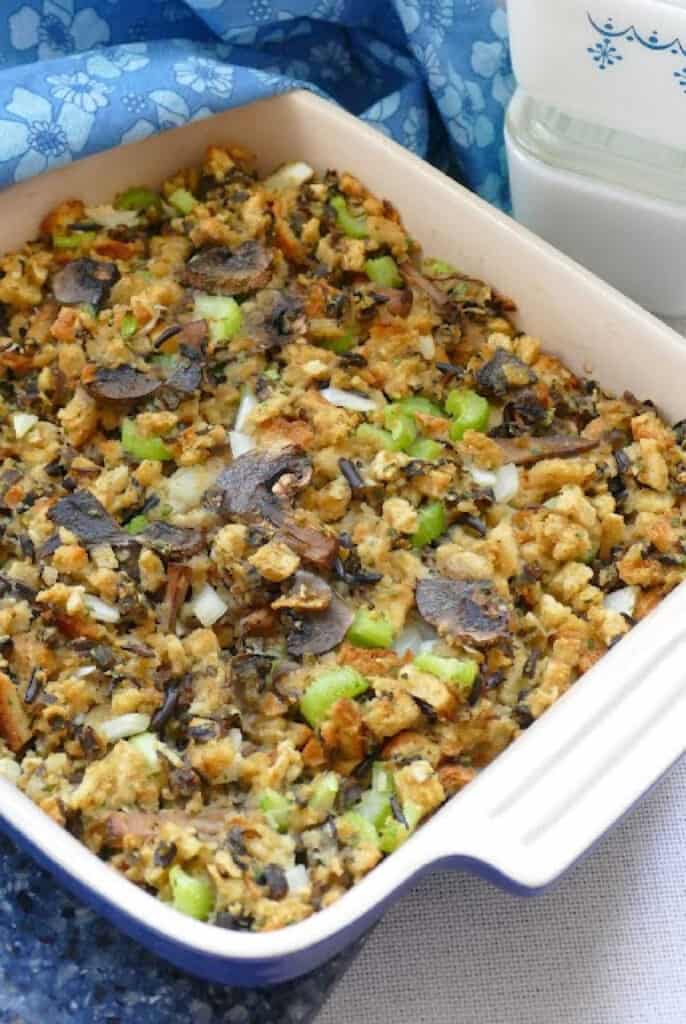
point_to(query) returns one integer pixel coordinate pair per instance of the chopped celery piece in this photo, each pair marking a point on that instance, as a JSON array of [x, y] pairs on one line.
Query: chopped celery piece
[[382, 777], [271, 373], [392, 835], [384, 271], [324, 793], [141, 447], [182, 200], [366, 833], [277, 809], [339, 345], [146, 744], [431, 523], [374, 806], [128, 326], [75, 241], [136, 198], [401, 425], [426, 449], [326, 689], [222, 313], [458, 671], [192, 896], [137, 524], [418, 403], [470, 410], [350, 225], [439, 267], [375, 436], [165, 360], [370, 629]]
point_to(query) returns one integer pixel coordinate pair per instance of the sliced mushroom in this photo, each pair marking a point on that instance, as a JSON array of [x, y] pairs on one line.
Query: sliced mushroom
[[469, 610], [417, 280], [526, 450], [119, 383], [503, 373], [84, 280], [82, 514], [186, 376], [307, 593], [259, 484], [171, 541], [523, 412], [272, 318], [143, 824], [223, 271], [319, 549], [317, 632], [396, 301]]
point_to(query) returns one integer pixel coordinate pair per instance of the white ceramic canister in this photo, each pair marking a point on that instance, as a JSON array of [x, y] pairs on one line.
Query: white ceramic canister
[[596, 138]]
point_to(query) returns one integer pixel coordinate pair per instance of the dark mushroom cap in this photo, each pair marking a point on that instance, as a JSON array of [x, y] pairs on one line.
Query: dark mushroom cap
[[171, 541], [272, 318], [84, 280], [120, 383], [317, 632], [526, 450], [313, 546], [469, 610], [396, 301], [503, 373], [223, 271], [82, 514], [257, 485], [307, 593]]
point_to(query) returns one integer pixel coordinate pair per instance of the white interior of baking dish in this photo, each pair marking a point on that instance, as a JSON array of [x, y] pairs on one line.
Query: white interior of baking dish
[[575, 772]]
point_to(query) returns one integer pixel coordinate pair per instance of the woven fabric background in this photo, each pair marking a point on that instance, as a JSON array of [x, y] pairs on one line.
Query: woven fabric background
[[607, 946]]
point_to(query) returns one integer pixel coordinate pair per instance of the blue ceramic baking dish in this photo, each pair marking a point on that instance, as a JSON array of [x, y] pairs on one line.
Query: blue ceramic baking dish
[[545, 801]]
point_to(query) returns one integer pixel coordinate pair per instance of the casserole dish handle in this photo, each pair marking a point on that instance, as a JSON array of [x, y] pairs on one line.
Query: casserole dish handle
[[555, 792]]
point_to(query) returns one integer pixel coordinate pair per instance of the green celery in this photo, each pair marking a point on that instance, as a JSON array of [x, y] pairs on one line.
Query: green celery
[[326, 689], [370, 629], [383, 270], [192, 896], [141, 447], [351, 225], [431, 524]]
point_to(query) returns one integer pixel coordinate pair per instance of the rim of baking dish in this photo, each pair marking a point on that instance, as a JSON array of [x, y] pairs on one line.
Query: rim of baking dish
[[458, 831]]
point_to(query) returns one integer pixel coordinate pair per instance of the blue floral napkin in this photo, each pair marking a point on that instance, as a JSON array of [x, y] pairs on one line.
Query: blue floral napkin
[[78, 76]]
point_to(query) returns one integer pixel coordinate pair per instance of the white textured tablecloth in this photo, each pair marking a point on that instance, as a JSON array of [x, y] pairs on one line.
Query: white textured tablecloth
[[607, 946]]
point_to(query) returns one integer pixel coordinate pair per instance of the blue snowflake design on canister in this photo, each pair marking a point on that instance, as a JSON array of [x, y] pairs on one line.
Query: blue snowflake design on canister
[[606, 53]]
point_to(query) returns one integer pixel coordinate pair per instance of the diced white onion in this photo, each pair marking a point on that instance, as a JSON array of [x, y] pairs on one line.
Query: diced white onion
[[506, 482], [187, 485], [9, 770], [247, 403], [297, 878], [348, 400], [23, 422], [86, 670], [208, 607], [108, 217], [123, 726], [482, 477], [240, 443], [426, 346], [291, 175], [622, 601], [100, 610], [236, 738], [146, 744], [417, 637]]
